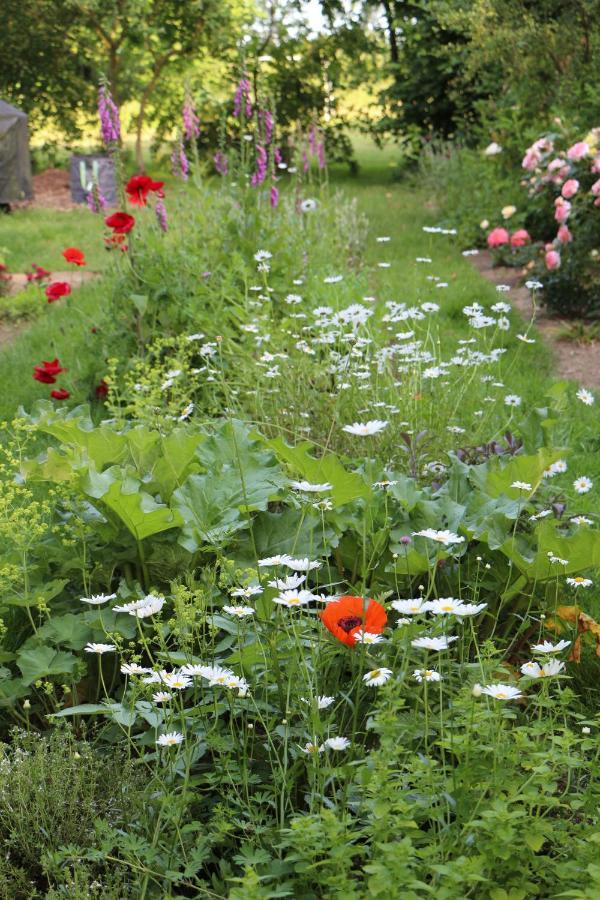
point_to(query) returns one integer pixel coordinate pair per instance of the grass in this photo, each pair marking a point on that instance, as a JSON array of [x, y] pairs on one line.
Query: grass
[[38, 236]]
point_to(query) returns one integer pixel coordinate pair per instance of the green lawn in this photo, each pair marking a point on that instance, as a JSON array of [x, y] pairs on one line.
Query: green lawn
[[38, 236]]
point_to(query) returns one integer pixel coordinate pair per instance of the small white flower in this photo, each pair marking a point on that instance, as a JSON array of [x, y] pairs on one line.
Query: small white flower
[[179, 681], [579, 581], [586, 730], [512, 400], [333, 279], [308, 205], [549, 668], [281, 560], [413, 607], [585, 396], [294, 598], [302, 565], [162, 697], [310, 488], [97, 599], [433, 643], [170, 739], [365, 429], [186, 412], [583, 484], [581, 520], [383, 239], [99, 648], [502, 691], [377, 677], [549, 647], [262, 255], [367, 637], [134, 669], [240, 612], [323, 702], [521, 486], [492, 149], [426, 675], [289, 583], [442, 537], [251, 591], [525, 339], [337, 743], [313, 748]]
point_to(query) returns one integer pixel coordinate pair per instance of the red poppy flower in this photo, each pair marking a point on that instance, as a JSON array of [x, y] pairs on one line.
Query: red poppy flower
[[120, 222], [60, 394], [344, 617], [46, 372], [75, 256], [139, 186], [56, 290], [38, 273], [102, 390]]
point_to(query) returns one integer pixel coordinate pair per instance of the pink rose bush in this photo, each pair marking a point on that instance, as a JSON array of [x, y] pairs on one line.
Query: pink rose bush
[[562, 218]]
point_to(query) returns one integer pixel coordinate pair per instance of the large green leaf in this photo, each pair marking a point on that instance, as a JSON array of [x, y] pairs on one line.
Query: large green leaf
[[39, 662], [581, 550], [529, 469], [69, 631], [136, 509], [208, 506], [346, 486]]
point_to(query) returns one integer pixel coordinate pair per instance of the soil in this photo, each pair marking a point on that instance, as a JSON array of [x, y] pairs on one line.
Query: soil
[[50, 191], [574, 360]]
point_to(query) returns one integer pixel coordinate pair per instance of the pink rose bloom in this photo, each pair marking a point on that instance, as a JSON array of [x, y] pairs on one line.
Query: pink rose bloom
[[519, 238], [556, 163], [596, 188], [570, 188], [564, 235], [596, 166], [497, 237], [563, 209], [578, 151], [531, 159], [552, 260]]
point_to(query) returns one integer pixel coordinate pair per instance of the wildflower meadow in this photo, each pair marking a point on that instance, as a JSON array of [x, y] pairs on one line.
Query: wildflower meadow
[[299, 527]]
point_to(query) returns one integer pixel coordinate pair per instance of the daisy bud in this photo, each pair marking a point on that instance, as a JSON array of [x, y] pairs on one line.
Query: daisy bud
[[477, 690], [586, 730], [26, 704], [250, 726]]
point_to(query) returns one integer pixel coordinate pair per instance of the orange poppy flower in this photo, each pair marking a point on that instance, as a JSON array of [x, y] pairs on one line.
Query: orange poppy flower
[[344, 617]]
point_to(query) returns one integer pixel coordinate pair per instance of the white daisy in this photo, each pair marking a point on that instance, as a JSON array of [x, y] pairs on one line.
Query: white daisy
[[310, 488], [240, 612], [367, 637], [502, 691], [413, 607], [99, 648], [426, 675], [365, 429], [549, 668], [433, 643], [252, 590], [579, 581], [97, 599], [134, 669], [377, 677], [521, 486], [337, 743], [585, 396], [581, 520], [583, 484], [280, 560], [170, 739], [512, 400], [294, 598], [442, 537], [302, 564], [549, 647], [162, 697]]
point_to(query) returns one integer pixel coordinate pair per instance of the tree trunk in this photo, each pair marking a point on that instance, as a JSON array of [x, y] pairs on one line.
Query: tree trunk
[[391, 30], [147, 93]]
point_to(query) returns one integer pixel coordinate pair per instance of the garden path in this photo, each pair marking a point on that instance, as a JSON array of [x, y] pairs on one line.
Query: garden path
[[574, 360]]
